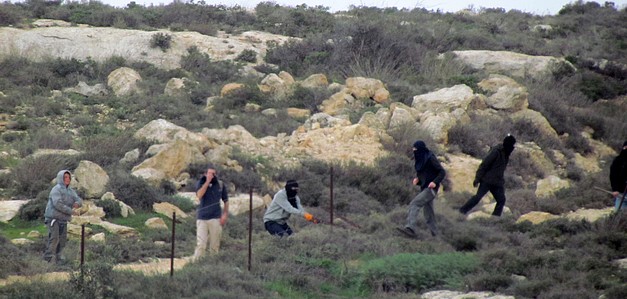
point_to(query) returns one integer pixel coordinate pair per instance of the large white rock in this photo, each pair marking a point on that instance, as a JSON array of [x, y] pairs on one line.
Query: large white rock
[[91, 179], [549, 185], [10, 208], [124, 81], [511, 63]]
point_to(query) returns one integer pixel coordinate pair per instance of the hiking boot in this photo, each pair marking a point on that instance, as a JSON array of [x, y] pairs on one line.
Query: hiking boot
[[407, 232]]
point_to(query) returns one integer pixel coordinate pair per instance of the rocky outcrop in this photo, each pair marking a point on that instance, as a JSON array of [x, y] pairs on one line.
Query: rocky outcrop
[[10, 208], [123, 81], [512, 64], [101, 43]]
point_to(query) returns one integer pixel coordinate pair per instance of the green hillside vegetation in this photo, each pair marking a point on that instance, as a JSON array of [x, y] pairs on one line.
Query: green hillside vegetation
[[555, 259]]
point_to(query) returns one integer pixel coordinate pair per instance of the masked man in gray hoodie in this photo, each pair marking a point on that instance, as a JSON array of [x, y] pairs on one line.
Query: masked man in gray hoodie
[[284, 204], [62, 204]]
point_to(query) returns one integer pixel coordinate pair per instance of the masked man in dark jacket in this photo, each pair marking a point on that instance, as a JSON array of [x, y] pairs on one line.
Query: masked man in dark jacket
[[429, 175], [490, 176], [618, 178], [210, 217], [62, 203]]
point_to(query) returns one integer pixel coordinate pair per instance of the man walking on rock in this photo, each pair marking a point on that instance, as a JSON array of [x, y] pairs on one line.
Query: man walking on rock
[[490, 176]]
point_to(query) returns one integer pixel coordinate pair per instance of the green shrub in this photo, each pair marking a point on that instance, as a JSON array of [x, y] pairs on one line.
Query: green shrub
[[247, 56], [34, 209], [183, 203], [95, 280], [133, 191], [33, 175], [415, 272], [111, 208], [161, 40]]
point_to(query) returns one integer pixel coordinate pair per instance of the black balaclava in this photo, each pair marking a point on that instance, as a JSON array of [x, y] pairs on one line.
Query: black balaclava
[[508, 144], [421, 155], [291, 188]]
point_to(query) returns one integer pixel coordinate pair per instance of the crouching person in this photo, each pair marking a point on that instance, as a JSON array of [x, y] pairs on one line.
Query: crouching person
[[283, 205]]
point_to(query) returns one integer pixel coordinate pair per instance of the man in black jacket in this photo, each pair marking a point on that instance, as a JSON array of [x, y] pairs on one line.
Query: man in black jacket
[[489, 176], [429, 174], [618, 177]]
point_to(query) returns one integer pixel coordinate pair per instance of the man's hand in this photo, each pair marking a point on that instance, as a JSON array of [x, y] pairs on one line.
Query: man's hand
[[431, 185], [415, 181], [475, 183], [615, 193], [223, 218]]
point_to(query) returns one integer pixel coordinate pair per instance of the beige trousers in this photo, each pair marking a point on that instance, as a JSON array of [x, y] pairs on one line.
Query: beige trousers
[[207, 229]]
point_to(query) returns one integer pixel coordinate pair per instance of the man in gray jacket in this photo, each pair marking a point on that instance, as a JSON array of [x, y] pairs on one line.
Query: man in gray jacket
[[62, 203], [284, 204]]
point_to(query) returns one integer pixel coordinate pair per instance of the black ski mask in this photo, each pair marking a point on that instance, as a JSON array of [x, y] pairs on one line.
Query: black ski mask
[[291, 188], [508, 144]]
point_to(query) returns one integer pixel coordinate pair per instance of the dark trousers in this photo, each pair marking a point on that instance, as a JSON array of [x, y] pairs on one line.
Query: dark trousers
[[57, 237], [277, 229], [498, 191]]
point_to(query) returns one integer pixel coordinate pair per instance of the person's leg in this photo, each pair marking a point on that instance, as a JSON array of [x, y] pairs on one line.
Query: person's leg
[[473, 201], [499, 195], [201, 238], [215, 233], [62, 241], [53, 241], [429, 214], [276, 229], [415, 205]]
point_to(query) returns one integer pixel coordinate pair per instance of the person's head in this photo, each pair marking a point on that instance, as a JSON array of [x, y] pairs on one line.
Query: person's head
[[67, 178], [419, 146], [211, 172], [64, 177], [508, 143], [291, 187]]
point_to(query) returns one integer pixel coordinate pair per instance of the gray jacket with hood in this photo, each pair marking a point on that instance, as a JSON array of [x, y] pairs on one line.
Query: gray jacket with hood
[[280, 208], [61, 200]]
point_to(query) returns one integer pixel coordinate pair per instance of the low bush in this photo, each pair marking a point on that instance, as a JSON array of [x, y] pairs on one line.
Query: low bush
[[161, 40], [133, 191], [247, 56], [111, 208], [415, 272]]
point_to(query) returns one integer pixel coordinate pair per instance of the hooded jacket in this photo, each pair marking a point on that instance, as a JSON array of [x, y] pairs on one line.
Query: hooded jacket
[[492, 168], [280, 208], [618, 172], [61, 200]]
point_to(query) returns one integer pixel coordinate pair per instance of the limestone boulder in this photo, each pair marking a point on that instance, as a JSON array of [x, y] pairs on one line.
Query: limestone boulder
[[549, 185], [117, 229], [368, 88], [130, 157], [22, 241], [33, 234], [10, 208], [163, 131], [229, 88], [124, 81], [590, 215], [315, 81], [91, 179], [101, 43], [287, 77], [512, 64], [240, 203], [172, 160], [507, 94], [298, 113], [400, 117], [536, 217], [340, 102], [274, 85], [167, 209], [445, 99], [89, 210], [84, 89], [156, 223], [460, 172], [75, 231], [99, 238], [174, 87], [377, 121], [150, 175], [537, 120]]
